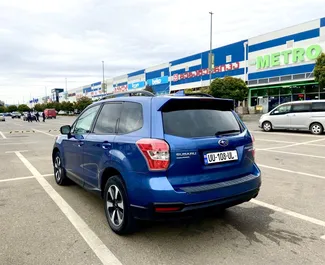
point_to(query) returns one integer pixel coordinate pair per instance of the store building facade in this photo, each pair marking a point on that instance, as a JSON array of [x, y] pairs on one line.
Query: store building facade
[[277, 67], [281, 63]]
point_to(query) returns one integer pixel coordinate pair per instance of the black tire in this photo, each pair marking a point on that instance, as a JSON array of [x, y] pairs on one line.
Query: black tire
[[59, 171], [316, 128], [267, 126], [122, 221]]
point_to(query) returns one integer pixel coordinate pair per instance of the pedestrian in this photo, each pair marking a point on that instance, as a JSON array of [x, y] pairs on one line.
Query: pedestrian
[[43, 115], [29, 117], [37, 117]]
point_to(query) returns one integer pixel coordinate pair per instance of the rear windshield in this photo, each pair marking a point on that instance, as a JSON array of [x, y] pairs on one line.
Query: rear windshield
[[199, 120]]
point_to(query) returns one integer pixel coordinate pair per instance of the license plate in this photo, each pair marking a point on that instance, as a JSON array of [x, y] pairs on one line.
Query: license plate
[[211, 158]]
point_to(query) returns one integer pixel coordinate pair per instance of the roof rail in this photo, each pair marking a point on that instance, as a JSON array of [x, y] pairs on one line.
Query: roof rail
[[130, 94]]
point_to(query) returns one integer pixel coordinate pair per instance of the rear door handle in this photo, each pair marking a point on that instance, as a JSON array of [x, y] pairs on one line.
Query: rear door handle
[[80, 143], [106, 145]]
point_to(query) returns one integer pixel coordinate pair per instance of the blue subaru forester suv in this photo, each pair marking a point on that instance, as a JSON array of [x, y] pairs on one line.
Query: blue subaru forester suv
[[158, 157]]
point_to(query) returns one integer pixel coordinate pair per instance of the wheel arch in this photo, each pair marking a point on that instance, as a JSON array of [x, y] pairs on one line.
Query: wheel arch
[[106, 175]]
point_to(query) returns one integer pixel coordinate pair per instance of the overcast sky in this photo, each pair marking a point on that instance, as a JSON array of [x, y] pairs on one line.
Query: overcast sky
[[42, 42]]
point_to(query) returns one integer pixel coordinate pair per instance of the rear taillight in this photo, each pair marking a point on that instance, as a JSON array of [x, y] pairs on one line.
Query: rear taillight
[[156, 153]]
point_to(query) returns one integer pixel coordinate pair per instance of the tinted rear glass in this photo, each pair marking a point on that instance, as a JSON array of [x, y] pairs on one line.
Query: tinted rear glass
[[204, 120], [318, 106]]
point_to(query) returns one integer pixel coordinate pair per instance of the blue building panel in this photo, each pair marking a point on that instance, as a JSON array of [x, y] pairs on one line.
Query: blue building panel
[[121, 84], [322, 22], [186, 59], [157, 73], [283, 71], [280, 41], [96, 84], [136, 73], [236, 50]]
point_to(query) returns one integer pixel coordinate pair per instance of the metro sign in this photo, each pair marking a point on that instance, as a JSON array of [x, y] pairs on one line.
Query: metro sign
[[202, 72]]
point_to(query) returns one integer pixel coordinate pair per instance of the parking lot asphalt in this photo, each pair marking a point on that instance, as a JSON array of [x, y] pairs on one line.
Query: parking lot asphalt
[[42, 223]]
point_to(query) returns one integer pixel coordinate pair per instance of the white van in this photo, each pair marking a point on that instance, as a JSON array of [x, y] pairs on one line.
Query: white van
[[308, 115]]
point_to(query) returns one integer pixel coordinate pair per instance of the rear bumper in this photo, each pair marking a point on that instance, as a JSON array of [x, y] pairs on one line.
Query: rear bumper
[[190, 210], [147, 194]]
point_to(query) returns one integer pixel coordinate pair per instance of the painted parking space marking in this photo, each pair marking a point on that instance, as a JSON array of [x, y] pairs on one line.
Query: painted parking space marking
[[292, 145], [292, 171], [93, 241], [15, 179], [48, 134], [286, 142], [19, 143], [290, 213], [290, 153], [286, 134], [2, 135]]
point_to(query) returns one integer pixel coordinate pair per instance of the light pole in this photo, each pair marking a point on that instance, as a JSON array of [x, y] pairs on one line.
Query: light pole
[[210, 54]]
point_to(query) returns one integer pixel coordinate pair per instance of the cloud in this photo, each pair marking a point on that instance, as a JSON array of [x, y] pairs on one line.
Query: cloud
[[41, 43]]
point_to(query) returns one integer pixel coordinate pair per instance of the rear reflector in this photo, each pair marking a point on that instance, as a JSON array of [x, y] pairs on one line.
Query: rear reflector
[[156, 153], [167, 209]]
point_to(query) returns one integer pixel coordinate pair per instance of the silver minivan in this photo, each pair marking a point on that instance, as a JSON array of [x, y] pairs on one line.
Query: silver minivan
[[308, 115]]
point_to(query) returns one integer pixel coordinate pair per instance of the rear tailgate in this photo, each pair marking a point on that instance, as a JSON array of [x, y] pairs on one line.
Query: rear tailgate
[[207, 142]]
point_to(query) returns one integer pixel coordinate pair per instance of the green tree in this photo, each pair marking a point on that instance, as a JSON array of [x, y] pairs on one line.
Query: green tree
[[229, 87], [319, 70], [3, 109], [12, 108], [83, 103], [23, 108], [39, 107]]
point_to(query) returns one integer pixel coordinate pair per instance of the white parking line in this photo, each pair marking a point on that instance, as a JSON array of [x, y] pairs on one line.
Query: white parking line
[[291, 171], [290, 213], [19, 143], [289, 153], [286, 134], [286, 142], [48, 134], [98, 247], [2, 135], [15, 179], [295, 144]]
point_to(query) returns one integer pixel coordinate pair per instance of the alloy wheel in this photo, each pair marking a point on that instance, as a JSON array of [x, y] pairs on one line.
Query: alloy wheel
[[115, 206], [267, 126], [57, 168]]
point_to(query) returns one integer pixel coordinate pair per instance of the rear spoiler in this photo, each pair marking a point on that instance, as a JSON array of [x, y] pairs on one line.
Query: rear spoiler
[[179, 103]]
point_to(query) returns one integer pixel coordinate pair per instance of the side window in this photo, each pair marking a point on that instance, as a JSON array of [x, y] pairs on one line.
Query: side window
[[282, 110], [131, 118], [318, 106], [85, 121], [300, 108], [106, 122]]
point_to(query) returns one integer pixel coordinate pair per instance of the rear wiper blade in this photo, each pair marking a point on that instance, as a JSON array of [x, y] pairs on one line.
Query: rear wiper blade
[[224, 132]]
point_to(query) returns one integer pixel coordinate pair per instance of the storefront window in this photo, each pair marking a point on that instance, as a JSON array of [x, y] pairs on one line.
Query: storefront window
[[298, 97], [253, 102], [284, 99], [285, 90], [273, 91], [273, 102], [312, 89], [312, 96], [253, 93], [322, 95], [262, 92], [298, 89]]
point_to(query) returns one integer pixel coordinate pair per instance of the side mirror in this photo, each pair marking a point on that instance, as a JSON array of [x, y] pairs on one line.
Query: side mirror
[[65, 130], [275, 112]]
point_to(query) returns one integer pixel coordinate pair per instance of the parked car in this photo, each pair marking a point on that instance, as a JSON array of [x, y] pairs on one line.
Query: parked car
[[308, 115], [2, 117], [50, 113], [158, 157], [15, 115]]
